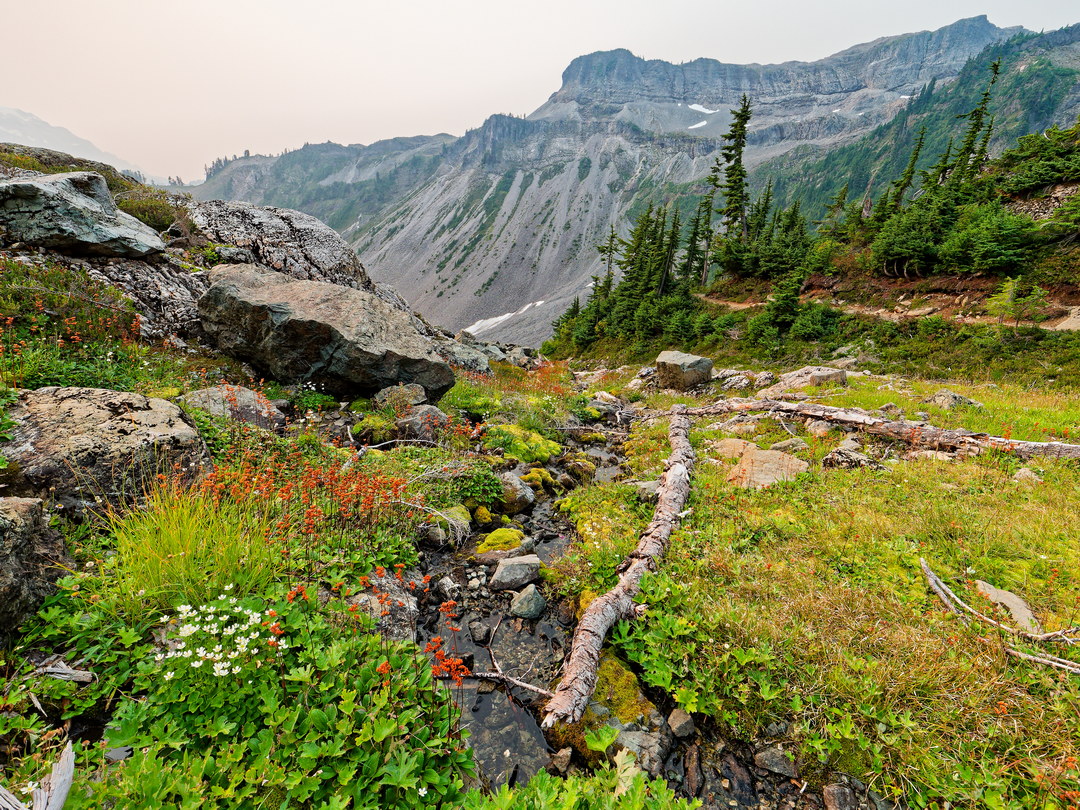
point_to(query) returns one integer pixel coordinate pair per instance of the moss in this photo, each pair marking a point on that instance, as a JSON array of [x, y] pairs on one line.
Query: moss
[[482, 515], [520, 443], [164, 393], [539, 479], [618, 691], [501, 540], [374, 428], [592, 438], [579, 466], [458, 514], [362, 405], [585, 598]]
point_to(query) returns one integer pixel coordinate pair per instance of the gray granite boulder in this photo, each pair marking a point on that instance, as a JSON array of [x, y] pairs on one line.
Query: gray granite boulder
[[346, 341], [74, 213], [514, 572], [682, 371]]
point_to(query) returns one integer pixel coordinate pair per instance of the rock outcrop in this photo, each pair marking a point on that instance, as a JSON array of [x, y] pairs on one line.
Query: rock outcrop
[[78, 446], [346, 341], [75, 213], [236, 402], [682, 371], [30, 556]]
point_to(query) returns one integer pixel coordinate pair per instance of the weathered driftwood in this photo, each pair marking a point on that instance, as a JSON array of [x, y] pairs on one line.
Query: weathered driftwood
[[54, 788], [579, 677], [913, 434]]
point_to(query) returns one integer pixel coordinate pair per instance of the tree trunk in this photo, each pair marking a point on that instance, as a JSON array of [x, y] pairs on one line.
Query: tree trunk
[[579, 677], [916, 435]]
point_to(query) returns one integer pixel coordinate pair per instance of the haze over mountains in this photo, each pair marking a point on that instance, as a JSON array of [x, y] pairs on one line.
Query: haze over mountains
[[496, 230], [19, 126]]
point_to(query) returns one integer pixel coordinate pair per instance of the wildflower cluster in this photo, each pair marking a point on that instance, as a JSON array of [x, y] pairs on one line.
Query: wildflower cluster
[[222, 638]]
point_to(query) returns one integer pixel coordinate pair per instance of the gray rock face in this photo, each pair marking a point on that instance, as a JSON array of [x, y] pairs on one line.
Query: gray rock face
[[236, 402], [30, 554], [74, 213], [395, 617], [289, 241], [682, 371], [348, 341], [529, 604], [774, 759], [844, 458], [78, 445], [804, 378], [515, 572]]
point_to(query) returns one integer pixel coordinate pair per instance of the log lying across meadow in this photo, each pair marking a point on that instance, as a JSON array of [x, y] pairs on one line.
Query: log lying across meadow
[[918, 435], [579, 677]]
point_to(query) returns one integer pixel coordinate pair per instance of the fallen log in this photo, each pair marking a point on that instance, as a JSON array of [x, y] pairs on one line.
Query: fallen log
[[911, 433], [579, 677]]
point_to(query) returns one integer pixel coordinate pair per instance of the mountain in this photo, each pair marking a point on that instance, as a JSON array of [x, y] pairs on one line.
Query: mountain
[[496, 230], [19, 126]]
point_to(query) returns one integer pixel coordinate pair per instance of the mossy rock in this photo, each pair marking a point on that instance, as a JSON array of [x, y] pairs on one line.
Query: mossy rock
[[375, 428], [585, 598], [482, 515], [580, 466], [540, 479], [520, 443], [501, 540], [592, 438], [164, 393], [362, 405]]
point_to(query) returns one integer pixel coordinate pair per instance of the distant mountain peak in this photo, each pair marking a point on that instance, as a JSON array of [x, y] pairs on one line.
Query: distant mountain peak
[[22, 127]]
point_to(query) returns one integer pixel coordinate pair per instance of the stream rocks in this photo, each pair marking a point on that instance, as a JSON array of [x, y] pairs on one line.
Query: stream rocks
[[73, 212], [529, 604], [31, 555], [346, 341], [514, 572], [76, 446]]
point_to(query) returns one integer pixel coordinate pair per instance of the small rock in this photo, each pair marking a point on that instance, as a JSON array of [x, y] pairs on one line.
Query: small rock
[[774, 759], [851, 444], [950, 399], [401, 397], [818, 427], [792, 445], [447, 587], [423, 422], [529, 604], [932, 455], [473, 584], [891, 409], [1025, 475], [647, 491], [517, 496], [841, 458], [804, 378], [764, 379], [236, 402], [681, 723], [480, 631], [560, 760], [731, 448], [1016, 606], [736, 383], [513, 573], [839, 797], [528, 545]]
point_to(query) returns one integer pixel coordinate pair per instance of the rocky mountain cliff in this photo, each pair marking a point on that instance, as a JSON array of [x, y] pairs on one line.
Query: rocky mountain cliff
[[495, 231]]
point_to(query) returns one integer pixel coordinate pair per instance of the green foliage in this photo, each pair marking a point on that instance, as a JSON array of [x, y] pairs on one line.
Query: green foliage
[[480, 485], [325, 713], [1018, 301], [151, 207], [621, 785], [7, 397], [520, 443]]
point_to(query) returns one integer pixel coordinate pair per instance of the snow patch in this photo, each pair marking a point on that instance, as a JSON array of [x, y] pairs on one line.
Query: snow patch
[[698, 124], [487, 324], [905, 96], [699, 108]]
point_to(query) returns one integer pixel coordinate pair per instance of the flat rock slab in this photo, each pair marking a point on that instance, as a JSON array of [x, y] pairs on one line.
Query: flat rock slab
[[73, 212], [79, 445], [731, 448], [804, 378], [758, 468], [236, 402], [347, 342], [1016, 606]]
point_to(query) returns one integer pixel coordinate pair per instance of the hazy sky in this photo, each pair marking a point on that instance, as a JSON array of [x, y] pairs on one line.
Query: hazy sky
[[171, 85]]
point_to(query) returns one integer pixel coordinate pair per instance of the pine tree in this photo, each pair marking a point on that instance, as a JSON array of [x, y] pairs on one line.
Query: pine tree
[[733, 214]]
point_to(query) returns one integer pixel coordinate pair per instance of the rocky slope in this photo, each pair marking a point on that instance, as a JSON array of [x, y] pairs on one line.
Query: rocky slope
[[496, 230]]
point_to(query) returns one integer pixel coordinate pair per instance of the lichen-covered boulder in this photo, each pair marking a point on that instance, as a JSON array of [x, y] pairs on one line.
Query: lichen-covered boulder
[[31, 556], [517, 496], [423, 423], [73, 212], [349, 342], [77, 446], [804, 377], [759, 468]]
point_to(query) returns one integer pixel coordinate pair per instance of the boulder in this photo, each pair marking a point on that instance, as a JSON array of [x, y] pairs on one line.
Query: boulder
[[730, 448], [764, 378], [74, 213], [682, 371], [515, 572], [1026, 476], [346, 341], [463, 355], [950, 399], [529, 604], [819, 428], [804, 377], [31, 556], [393, 606], [736, 383], [401, 397], [236, 402], [80, 445], [423, 422], [758, 468]]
